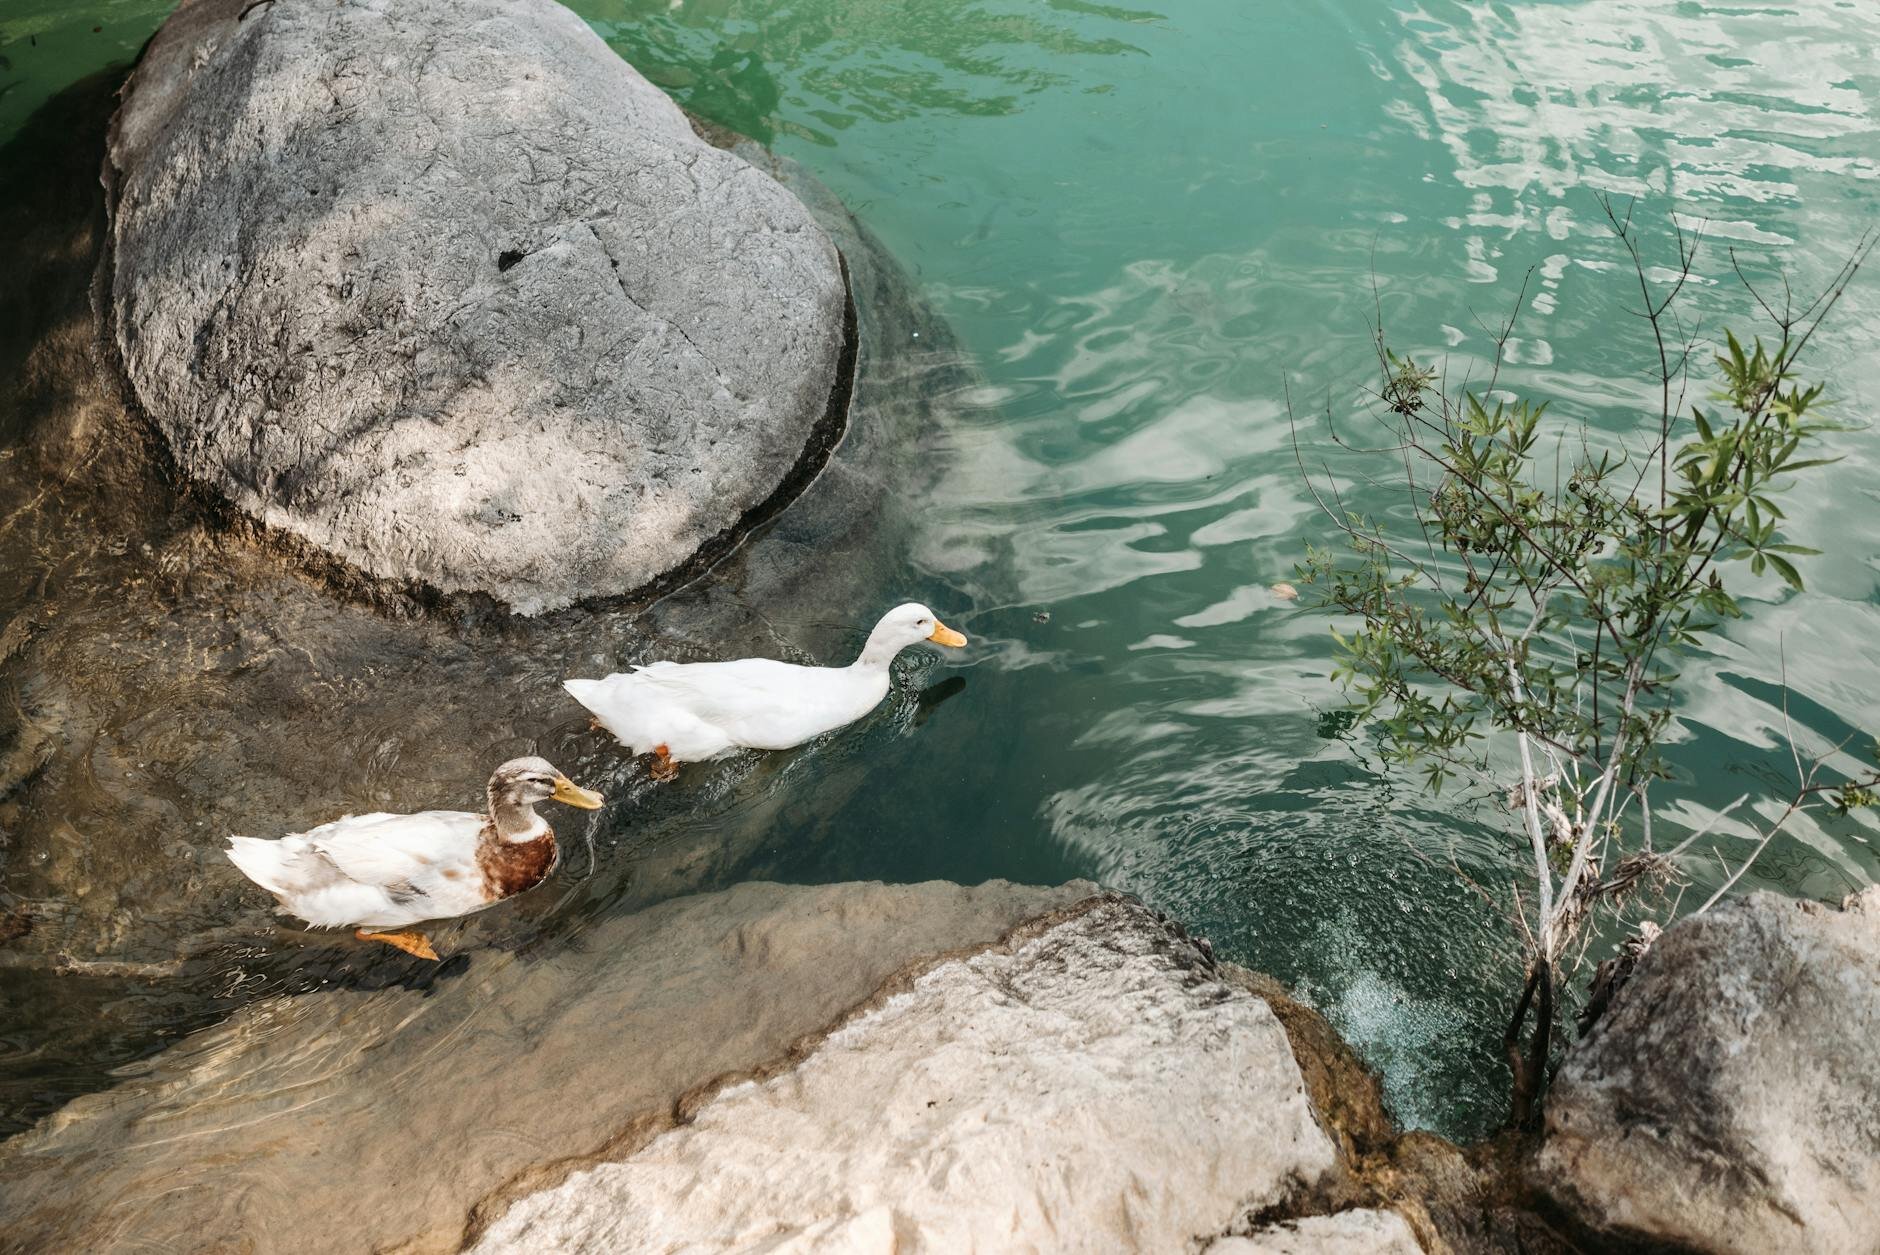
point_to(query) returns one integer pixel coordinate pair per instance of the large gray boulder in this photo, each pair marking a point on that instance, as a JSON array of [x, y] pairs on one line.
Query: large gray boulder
[[1096, 1086], [444, 289], [1729, 1100]]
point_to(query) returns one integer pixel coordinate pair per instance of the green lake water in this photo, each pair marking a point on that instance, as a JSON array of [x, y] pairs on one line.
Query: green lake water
[[1142, 222]]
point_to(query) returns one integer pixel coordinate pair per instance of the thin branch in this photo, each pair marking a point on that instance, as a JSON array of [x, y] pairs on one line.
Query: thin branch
[[1712, 822], [1788, 729]]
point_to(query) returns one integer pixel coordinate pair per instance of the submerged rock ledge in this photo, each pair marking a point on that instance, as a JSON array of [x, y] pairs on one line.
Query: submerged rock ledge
[[919, 1067], [348, 1121], [446, 291]]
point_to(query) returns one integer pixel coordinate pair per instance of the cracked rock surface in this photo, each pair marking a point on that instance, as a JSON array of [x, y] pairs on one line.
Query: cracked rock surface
[[1729, 1100], [447, 290], [1094, 1087]]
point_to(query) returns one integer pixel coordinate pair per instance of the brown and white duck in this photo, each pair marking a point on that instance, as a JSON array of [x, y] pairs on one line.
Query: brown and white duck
[[381, 873]]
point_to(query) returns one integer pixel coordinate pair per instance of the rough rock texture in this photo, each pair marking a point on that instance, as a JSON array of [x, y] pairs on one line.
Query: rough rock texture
[[1361, 1231], [1096, 1088], [446, 289], [1729, 1100], [354, 1121]]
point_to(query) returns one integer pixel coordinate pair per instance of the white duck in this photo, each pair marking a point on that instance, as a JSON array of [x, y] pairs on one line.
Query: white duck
[[687, 712], [384, 872]]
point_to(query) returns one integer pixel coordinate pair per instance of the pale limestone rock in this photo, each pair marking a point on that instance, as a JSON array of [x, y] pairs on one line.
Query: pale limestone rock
[[1729, 1100], [1096, 1088]]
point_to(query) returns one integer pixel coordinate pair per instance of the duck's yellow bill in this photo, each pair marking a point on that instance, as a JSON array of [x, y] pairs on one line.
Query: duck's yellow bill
[[944, 635], [573, 794]]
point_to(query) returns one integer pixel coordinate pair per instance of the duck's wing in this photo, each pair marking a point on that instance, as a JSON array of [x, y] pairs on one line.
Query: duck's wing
[[404, 850], [761, 703], [380, 870], [722, 691]]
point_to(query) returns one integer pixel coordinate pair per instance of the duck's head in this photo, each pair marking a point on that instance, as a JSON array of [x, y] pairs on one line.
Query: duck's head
[[526, 781], [910, 624]]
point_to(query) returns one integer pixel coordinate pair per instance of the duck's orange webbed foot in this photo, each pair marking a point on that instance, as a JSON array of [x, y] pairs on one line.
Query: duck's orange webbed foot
[[411, 942], [664, 768]]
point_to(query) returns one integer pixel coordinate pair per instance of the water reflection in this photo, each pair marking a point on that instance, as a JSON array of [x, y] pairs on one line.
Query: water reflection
[[1711, 107], [860, 60]]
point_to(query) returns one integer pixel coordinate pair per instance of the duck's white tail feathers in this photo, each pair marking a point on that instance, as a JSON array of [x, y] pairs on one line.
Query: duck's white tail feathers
[[587, 692], [289, 868], [305, 882], [267, 863], [609, 703]]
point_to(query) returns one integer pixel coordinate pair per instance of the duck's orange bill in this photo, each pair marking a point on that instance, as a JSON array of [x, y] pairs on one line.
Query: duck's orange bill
[[944, 635], [573, 794]]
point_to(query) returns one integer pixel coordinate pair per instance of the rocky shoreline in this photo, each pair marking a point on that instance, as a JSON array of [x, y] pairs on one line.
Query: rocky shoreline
[[1724, 1103], [931, 1067]]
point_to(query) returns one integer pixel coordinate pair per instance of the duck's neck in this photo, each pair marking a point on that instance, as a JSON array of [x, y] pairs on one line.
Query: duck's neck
[[515, 820], [878, 654]]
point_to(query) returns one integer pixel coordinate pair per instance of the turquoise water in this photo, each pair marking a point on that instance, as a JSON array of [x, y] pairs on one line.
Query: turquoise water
[[1143, 222]]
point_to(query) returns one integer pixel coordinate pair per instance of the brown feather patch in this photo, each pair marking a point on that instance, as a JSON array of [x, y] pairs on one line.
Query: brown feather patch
[[510, 867]]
